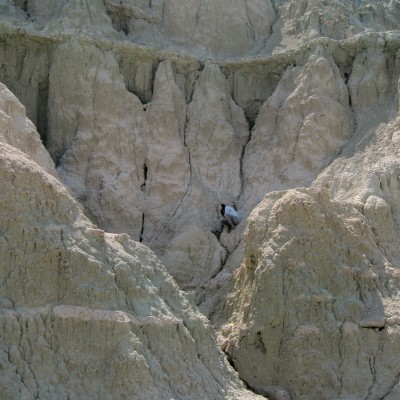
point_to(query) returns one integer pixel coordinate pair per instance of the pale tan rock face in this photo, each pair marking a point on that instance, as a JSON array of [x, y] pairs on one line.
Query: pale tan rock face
[[167, 158], [206, 26], [155, 112], [99, 132], [320, 277], [216, 134], [313, 300], [309, 19], [306, 122], [18, 131], [86, 313]]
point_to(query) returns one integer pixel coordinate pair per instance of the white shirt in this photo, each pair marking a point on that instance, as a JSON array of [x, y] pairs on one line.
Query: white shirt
[[231, 212]]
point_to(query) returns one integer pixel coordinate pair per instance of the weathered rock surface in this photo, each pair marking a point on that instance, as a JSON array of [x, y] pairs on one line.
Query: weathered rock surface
[[313, 300], [18, 131], [206, 26], [154, 112], [306, 121], [84, 313]]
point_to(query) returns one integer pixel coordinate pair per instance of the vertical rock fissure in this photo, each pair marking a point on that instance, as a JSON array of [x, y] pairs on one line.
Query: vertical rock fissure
[[142, 230], [373, 373], [145, 170], [42, 110], [143, 188], [279, 372], [61, 266], [341, 372], [346, 76], [241, 162], [188, 149]]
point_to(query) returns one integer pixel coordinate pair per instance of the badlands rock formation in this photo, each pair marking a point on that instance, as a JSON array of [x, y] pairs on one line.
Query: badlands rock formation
[[84, 313], [154, 112]]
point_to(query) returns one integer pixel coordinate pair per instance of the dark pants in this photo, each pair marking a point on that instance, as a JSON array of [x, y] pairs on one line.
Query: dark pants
[[230, 222]]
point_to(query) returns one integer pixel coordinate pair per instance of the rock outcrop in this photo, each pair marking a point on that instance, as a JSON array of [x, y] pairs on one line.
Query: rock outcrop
[[155, 112], [314, 303], [85, 313]]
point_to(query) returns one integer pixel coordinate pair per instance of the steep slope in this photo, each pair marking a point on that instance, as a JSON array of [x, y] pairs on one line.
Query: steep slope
[[157, 111], [315, 303], [86, 313]]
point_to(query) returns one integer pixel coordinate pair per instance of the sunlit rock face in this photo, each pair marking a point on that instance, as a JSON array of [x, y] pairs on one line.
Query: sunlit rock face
[[155, 112], [315, 300], [85, 313]]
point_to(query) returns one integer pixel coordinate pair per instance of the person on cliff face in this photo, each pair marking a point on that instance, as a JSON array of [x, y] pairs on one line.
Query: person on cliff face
[[230, 218]]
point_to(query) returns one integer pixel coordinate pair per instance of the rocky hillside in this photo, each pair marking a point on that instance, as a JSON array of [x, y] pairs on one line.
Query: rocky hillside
[[156, 111], [88, 314]]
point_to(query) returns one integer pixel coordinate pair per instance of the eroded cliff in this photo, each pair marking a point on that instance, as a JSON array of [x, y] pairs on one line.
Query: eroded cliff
[[86, 313], [155, 112]]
